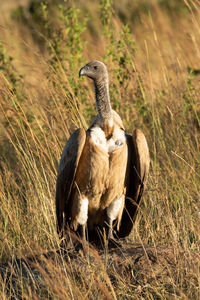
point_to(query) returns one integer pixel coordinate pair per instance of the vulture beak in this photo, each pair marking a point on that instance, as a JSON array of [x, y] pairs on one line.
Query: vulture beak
[[83, 71]]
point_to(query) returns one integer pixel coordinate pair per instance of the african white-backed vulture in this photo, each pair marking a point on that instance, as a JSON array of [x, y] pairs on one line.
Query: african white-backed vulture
[[102, 171]]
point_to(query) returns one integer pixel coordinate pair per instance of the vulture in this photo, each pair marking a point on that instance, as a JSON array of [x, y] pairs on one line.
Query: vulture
[[102, 171]]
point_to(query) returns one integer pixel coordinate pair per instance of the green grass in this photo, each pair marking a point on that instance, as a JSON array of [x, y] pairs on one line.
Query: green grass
[[42, 101]]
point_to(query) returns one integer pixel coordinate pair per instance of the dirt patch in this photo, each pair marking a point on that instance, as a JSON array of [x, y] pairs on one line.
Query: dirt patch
[[136, 266]]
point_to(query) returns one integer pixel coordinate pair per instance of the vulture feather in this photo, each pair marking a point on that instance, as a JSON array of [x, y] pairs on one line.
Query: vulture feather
[[102, 171]]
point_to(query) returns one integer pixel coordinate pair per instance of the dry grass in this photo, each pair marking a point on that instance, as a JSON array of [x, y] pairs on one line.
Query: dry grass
[[156, 88]]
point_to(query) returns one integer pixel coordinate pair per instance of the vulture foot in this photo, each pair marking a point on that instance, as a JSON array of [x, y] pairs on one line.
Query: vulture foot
[[113, 243], [81, 248]]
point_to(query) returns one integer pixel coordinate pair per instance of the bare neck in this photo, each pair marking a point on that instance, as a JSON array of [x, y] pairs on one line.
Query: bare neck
[[103, 101]]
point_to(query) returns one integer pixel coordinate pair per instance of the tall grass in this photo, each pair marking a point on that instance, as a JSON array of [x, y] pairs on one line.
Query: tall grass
[[153, 62]]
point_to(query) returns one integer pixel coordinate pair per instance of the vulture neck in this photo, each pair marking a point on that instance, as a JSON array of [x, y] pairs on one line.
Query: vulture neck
[[103, 105]]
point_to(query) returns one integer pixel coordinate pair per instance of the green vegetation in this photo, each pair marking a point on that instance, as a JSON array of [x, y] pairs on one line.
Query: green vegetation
[[151, 49]]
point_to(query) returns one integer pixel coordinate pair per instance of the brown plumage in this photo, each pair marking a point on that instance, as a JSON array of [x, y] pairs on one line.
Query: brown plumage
[[102, 171]]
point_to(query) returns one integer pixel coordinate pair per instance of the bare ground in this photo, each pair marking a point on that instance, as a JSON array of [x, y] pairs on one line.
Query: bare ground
[[139, 266]]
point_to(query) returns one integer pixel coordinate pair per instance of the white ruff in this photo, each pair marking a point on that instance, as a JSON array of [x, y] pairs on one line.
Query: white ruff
[[98, 137], [117, 140], [83, 214]]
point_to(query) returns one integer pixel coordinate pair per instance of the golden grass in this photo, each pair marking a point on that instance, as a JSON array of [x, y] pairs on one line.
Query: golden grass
[[40, 111]]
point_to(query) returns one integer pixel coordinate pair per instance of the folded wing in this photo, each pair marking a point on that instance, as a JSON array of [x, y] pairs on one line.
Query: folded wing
[[66, 174], [136, 177]]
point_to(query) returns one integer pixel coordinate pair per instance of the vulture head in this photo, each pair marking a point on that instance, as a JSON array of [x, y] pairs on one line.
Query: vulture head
[[95, 70]]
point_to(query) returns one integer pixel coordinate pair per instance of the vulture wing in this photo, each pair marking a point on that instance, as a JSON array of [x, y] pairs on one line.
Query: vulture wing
[[136, 176], [66, 174]]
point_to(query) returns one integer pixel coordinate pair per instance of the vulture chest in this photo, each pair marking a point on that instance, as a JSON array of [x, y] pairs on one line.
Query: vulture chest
[[101, 172]]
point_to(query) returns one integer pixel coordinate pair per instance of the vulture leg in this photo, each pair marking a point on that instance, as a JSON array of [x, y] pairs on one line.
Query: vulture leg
[[112, 242], [114, 212], [83, 244], [110, 229], [83, 229]]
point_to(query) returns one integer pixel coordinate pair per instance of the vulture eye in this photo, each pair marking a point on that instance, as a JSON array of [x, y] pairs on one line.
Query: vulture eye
[[95, 67]]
